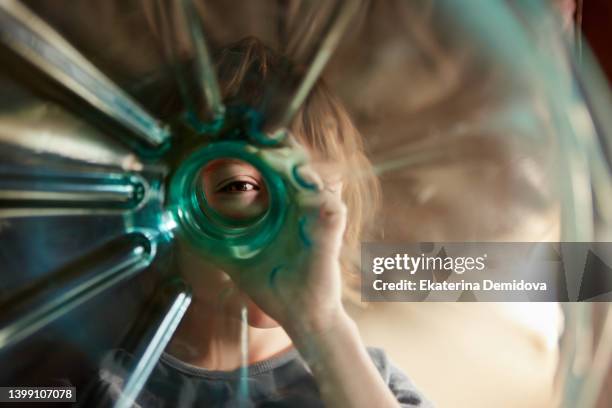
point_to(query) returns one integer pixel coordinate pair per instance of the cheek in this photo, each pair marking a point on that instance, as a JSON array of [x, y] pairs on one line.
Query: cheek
[[240, 205]]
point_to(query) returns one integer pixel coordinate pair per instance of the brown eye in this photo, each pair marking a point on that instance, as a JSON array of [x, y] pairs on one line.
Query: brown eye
[[238, 187], [234, 189]]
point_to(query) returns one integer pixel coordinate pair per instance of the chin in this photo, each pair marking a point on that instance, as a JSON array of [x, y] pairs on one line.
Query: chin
[[258, 319]]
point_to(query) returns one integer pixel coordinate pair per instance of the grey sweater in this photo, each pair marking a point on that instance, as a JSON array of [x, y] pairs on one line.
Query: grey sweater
[[281, 381]]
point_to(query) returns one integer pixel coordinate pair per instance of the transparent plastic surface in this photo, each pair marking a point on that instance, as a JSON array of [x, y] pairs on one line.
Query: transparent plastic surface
[[479, 125]]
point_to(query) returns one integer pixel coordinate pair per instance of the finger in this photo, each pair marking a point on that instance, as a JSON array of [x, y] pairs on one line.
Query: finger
[[284, 159], [327, 228], [308, 178]]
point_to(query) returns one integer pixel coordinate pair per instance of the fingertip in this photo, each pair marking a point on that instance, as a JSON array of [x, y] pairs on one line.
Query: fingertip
[[329, 228], [332, 209]]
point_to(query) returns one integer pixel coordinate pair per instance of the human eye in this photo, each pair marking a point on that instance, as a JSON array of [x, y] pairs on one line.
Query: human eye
[[238, 186]]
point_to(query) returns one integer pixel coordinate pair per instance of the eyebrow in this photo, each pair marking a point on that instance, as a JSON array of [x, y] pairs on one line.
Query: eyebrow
[[223, 162]]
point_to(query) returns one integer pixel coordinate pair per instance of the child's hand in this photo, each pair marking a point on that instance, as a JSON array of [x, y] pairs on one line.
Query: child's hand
[[296, 280]]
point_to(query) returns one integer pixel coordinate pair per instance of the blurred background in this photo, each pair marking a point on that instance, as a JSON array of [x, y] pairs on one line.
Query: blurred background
[[483, 121]]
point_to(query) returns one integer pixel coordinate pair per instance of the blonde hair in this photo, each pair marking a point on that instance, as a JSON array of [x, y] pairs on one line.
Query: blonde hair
[[247, 70]]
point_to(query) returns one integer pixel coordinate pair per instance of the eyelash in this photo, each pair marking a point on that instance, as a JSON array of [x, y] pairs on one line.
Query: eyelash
[[227, 188]]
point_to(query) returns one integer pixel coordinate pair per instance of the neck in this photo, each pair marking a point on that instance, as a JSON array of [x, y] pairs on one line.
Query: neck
[[212, 340]]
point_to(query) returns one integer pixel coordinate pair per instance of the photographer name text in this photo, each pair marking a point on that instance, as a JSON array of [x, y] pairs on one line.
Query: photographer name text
[[457, 265]]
